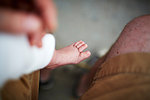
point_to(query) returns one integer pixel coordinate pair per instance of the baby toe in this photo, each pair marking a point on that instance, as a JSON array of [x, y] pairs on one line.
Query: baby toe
[[77, 43], [80, 44], [84, 55], [83, 47]]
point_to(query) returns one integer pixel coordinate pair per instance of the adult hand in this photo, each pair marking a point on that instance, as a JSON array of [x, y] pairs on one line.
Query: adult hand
[[33, 25]]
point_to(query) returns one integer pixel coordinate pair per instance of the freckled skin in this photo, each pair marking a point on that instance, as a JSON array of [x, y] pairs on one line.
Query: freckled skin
[[134, 38]]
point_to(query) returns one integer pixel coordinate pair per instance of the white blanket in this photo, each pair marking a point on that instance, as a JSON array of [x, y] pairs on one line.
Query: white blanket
[[17, 57]]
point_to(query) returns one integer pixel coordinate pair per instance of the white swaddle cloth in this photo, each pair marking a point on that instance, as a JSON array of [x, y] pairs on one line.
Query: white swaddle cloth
[[17, 57]]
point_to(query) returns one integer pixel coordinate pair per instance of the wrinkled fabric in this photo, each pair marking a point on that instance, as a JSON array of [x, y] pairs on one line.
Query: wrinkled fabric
[[125, 77], [25, 88]]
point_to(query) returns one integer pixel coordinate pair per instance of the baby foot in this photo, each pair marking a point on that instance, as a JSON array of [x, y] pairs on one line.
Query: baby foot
[[71, 54]]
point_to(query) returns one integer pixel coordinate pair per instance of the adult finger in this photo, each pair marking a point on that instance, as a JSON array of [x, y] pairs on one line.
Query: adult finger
[[36, 39], [19, 22], [48, 13]]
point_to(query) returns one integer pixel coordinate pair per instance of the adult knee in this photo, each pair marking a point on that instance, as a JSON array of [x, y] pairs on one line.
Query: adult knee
[[134, 38]]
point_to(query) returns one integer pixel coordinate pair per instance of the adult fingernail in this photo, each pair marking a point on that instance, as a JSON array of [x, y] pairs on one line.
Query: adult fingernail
[[31, 23]]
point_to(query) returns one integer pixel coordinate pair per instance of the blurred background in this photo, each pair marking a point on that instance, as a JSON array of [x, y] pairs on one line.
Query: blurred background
[[98, 23]]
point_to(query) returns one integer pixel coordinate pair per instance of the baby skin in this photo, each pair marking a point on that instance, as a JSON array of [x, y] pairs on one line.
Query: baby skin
[[71, 54]]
